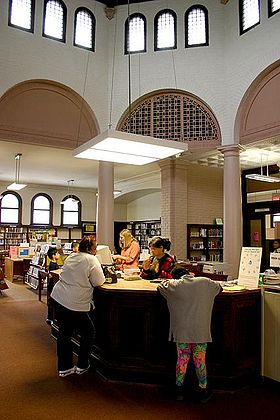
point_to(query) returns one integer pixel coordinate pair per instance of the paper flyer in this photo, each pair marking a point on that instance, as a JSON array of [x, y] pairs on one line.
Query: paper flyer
[[249, 268]]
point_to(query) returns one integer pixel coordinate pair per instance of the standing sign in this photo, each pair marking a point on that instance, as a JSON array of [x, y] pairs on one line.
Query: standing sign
[[274, 259], [249, 268]]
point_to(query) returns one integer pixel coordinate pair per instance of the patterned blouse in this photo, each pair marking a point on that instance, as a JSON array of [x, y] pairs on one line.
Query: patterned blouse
[[159, 267]]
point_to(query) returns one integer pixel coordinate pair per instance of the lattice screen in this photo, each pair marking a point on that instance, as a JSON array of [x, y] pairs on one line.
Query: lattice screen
[[173, 116]]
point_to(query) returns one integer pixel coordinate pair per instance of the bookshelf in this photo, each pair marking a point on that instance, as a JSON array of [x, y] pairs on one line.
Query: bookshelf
[[12, 236], [204, 242], [143, 231]]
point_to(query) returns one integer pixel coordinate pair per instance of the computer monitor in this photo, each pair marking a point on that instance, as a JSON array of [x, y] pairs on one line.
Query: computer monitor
[[23, 252], [67, 246], [104, 255]]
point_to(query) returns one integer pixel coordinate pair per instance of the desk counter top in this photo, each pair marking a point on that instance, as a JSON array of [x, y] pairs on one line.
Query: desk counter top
[[148, 286]]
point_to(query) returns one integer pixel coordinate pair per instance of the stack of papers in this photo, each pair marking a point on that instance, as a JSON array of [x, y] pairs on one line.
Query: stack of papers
[[272, 279]]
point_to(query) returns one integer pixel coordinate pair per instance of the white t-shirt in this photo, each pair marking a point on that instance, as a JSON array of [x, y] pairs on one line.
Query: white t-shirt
[[81, 272]]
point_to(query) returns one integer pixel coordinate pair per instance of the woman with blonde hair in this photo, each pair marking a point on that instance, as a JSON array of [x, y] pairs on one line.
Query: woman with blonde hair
[[130, 250]]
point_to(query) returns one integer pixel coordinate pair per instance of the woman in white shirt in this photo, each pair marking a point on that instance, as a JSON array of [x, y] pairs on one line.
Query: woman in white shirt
[[72, 296]]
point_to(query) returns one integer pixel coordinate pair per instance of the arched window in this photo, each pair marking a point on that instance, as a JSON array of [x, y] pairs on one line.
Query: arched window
[[165, 30], [135, 34], [70, 211], [54, 23], [41, 210], [249, 14], [273, 7], [196, 26], [21, 14], [84, 29], [10, 208]]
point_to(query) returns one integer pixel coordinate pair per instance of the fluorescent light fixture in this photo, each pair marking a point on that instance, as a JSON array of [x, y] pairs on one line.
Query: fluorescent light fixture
[[133, 149], [69, 199], [263, 178], [15, 186]]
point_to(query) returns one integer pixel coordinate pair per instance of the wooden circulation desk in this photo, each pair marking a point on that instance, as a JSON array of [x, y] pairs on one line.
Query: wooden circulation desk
[[132, 325], [16, 268]]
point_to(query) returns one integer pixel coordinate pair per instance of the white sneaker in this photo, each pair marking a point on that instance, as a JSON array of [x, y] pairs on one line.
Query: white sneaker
[[80, 371], [63, 373]]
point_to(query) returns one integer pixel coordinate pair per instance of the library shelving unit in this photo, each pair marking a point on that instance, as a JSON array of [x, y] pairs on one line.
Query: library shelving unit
[[41, 233], [69, 234], [145, 230], [88, 228], [12, 236], [205, 242]]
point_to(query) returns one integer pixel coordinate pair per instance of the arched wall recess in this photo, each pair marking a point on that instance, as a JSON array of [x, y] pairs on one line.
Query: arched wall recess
[[258, 116], [173, 114], [46, 113]]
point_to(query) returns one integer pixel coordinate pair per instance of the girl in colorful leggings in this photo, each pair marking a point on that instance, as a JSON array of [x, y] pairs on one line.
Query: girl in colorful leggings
[[190, 302]]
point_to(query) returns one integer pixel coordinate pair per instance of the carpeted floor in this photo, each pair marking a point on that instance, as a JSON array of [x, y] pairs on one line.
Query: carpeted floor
[[31, 390]]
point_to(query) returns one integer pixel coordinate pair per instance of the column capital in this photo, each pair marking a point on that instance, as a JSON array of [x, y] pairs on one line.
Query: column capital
[[232, 149], [173, 162]]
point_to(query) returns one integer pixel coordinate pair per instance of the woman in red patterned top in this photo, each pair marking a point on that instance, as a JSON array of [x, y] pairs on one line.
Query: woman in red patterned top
[[160, 263]]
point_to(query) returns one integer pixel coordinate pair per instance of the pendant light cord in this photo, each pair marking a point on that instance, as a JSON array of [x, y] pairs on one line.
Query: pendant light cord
[[129, 67], [83, 99], [113, 73]]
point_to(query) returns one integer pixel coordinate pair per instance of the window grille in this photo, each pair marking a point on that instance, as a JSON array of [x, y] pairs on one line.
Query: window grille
[[84, 29], [54, 19], [249, 13], [196, 26], [21, 14], [273, 7], [165, 30], [135, 30], [173, 116]]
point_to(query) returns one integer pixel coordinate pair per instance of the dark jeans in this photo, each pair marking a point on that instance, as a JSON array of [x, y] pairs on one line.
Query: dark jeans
[[50, 301], [69, 321]]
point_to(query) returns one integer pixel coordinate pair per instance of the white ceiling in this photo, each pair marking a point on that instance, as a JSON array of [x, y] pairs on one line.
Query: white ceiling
[[44, 165]]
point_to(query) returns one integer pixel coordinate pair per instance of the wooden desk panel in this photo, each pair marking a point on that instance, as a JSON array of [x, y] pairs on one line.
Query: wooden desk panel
[[132, 325]]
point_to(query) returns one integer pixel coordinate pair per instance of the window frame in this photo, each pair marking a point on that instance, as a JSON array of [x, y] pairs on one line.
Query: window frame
[[241, 30], [270, 12], [71, 211], [19, 223], [80, 9], [156, 18], [12, 25], [205, 10], [126, 34], [64, 21], [32, 223]]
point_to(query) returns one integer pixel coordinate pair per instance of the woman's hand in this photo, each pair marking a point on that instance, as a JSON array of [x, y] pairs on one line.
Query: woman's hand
[[146, 264]]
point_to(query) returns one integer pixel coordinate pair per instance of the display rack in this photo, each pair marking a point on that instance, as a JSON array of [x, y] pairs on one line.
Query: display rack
[[204, 242], [37, 265]]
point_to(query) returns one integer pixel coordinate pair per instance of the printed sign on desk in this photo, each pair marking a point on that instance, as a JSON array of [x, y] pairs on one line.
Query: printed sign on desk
[[249, 268]]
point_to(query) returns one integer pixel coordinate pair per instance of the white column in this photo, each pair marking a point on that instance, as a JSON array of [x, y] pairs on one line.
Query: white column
[[105, 205], [232, 207]]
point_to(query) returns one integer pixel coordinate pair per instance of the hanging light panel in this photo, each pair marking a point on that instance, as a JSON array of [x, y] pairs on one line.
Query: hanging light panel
[[16, 186], [134, 149]]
